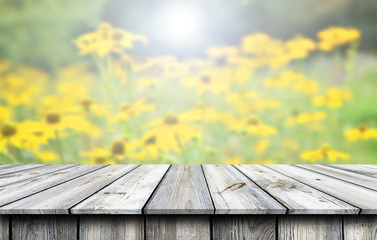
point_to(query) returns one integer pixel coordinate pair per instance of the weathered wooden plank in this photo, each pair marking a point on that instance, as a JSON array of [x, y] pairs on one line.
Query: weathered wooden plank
[[4, 227], [6, 169], [314, 227], [44, 227], [361, 169], [30, 173], [182, 191], [359, 179], [173, 227], [361, 197], [244, 227], [59, 199], [296, 196], [18, 190], [110, 227], [360, 227], [127, 195], [233, 193]]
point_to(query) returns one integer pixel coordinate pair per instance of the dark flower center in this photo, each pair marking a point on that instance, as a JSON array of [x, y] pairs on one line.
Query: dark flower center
[[171, 120], [8, 131], [362, 128], [100, 160], [53, 118], [252, 121], [150, 141], [205, 79], [117, 36], [86, 104], [118, 148]]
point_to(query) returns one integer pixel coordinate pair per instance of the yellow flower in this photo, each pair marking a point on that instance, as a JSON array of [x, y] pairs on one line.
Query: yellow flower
[[252, 125], [335, 36], [203, 113], [5, 113], [261, 146], [264, 161], [135, 109], [303, 118], [285, 79], [173, 131], [290, 144], [12, 134], [208, 80], [306, 86], [362, 132], [255, 43], [148, 82], [118, 151], [5, 65], [333, 99], [47, 157], [107, 39], [54, 122], [325, 152], [233, 160], [148, 147]]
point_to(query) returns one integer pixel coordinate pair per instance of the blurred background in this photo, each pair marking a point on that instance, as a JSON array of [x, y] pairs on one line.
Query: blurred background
[[40, 33]]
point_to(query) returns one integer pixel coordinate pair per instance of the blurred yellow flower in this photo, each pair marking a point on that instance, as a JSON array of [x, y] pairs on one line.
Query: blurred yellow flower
[[132, 109], [252, 125], [261, 146], [333, 99], [233, 160], [208, 80], [173, 131], [325, 152], [303, 118], [362, 132]]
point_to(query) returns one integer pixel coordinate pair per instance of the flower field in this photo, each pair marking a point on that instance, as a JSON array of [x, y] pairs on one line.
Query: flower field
[[262, 101]]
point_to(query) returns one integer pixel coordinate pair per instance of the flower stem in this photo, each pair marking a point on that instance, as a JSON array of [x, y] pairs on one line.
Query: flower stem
[[59, 146], [183, 153]]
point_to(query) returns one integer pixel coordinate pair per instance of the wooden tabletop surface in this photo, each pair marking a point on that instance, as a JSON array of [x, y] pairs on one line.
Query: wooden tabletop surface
[[188, 189]]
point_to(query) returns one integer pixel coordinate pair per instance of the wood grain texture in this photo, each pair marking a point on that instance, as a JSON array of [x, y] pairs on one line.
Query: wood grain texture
[[102, 227], [59, 199], [244, 227], [362, 227], [9, 178], [363, 198], [44, 227], [233, 193], [361, 169], [6, 169], [127, 195], [359, 179], [182, 191], [4, 227], [296, 196], [21, 189], [178, 227], [314, 227]]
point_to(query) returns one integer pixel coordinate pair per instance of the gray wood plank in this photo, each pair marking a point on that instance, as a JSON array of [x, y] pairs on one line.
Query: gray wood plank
[[314, 227], [244, 227], [361, 169], [296, 196], [233, 193], [4, 227], [59, 199], [21, 189], [363, 198], [16, 168], [127, 195], [359, 179], [110, 227], [30, 173], [173, 227], [44, 227], [182, 191], [360, 227]]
